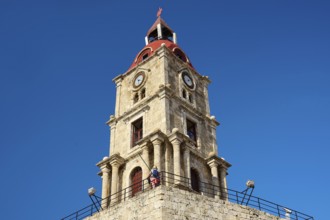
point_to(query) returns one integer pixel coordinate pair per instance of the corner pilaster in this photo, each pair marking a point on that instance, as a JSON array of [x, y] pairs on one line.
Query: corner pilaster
[[105, 185], [186, 158], [157, 141], [115, 161], [145, 156], [176, 140], [118, 80], [219, 164], [213, 164]]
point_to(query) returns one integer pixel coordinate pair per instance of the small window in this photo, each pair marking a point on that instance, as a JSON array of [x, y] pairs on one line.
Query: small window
[[184, 94], [194, 180], [143, 93], [145, 56], [190, 98], [136, 98], [191, 130], [180, 54], [137, 131]]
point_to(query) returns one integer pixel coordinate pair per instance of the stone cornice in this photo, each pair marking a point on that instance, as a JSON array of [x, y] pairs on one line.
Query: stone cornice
[[118, 78], [116, 159], [193, 111], [206, 79], [141, 144], [127, 115], [176, 135], [157, 137], [112, 121], [163, 91], [182, 138], [214, 122], [104, 162], [155, 134], [219, 161], [136, 151]]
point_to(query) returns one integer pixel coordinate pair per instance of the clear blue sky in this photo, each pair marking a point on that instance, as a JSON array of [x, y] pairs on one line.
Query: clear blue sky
[[269, 65]]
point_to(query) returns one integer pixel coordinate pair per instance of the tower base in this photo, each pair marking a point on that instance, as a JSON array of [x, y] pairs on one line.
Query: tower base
[[169, 203]]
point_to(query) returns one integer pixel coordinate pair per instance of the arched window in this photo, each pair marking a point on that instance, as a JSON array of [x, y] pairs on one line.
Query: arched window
[[190, 98], [144, 54], [143, 93], [184, 94], [194, 180], [136, 180], [179, 53], [136, 98]]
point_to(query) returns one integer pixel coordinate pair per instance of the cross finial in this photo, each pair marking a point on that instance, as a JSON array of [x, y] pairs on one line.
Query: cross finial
[[159, 11]]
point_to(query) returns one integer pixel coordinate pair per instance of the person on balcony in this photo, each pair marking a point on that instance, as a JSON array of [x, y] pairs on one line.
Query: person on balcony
[[154, 177]]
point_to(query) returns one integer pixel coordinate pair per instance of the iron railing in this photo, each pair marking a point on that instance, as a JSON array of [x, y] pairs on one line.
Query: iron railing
[[206, 189]]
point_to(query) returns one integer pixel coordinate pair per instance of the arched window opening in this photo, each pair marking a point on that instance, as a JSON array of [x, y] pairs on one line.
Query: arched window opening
[[190, 98], [144, 54], [153, 36], [194, 180], [136, 98], [143, 93], [180, 54], [136, 180], [167, 34], [184, 94]]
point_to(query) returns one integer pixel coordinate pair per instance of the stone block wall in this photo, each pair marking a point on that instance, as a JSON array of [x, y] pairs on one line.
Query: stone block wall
[[168, 203]]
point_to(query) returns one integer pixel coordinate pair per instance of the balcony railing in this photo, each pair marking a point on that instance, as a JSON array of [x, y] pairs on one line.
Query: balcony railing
[[205, 189]]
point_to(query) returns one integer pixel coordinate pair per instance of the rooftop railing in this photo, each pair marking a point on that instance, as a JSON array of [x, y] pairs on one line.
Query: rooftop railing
[[205, 189]]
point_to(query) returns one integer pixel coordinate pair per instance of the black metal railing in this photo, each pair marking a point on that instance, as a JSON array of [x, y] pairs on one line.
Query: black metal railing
[[206, 189], [252, 201], [110, 201]]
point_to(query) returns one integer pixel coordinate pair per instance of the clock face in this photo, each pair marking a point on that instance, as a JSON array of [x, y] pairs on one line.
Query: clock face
[[187, 80], [139, 78]]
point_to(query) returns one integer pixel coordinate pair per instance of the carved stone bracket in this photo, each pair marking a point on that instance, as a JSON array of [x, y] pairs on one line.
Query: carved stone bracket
[[116, 160]]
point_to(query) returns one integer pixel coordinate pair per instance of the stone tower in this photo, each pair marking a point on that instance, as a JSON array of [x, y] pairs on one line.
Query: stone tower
[[162, 118]]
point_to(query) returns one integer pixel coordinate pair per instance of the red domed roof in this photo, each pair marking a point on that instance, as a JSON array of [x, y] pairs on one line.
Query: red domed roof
[[160, 33], [149, 50]]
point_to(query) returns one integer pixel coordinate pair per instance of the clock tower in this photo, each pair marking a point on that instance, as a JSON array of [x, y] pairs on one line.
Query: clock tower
[[162, 118]]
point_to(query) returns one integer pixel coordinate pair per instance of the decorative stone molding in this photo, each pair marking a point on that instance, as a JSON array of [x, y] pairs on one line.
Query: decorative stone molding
[[165, 91], [157, 139], [213, 158], [216, 163], [104, 162], [116, 160], [127, 116]]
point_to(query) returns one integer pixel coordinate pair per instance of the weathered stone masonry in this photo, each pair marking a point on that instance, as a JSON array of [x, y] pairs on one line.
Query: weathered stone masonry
[[170, 203]]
